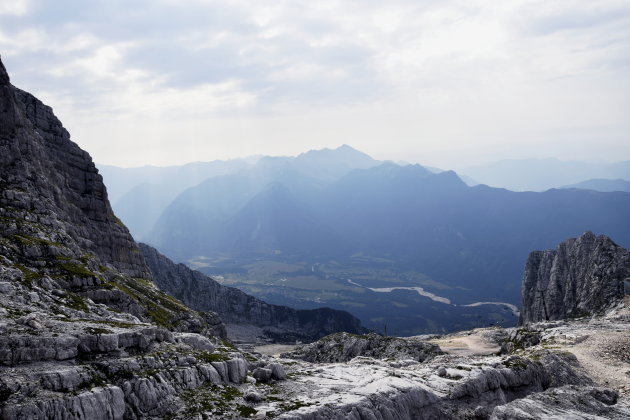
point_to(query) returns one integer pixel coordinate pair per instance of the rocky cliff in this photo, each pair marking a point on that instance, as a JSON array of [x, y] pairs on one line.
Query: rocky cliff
[[57, 226], [581, 277], [84, 333], [280, 322], [47, 179]]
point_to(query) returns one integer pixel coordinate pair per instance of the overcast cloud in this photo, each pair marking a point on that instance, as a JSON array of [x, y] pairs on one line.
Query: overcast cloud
[[445, 83]]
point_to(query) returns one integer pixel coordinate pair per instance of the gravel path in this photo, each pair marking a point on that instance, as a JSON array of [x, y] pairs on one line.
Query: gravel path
[[274, 349], [477, 343], [605, 356]]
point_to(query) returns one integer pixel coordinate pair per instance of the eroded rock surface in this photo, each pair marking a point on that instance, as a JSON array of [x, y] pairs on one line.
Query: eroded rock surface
[[342, 347]]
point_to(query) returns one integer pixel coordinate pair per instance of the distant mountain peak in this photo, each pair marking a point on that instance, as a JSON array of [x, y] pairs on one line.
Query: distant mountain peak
[[345, 147], [344, 150]]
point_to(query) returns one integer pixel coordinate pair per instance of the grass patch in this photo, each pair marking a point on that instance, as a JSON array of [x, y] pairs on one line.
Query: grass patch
[[76, 270], [207, 357], [26, 240], [119, 222], [228, 344], [29, 275], [245, 411], [98, 331], [159, 315], [515, 363], [210, 401], [289, 406], [76, 302], [86, 258]]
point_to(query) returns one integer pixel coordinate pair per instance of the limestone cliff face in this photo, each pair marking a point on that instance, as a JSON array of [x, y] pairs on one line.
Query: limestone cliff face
[[84, 333], [57, 226], [234, 306], [582, 276], [47, 179]]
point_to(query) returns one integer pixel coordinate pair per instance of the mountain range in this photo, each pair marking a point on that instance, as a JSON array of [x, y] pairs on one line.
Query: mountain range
[[605, 185], [462, 243], [335, 215], [406, 213]]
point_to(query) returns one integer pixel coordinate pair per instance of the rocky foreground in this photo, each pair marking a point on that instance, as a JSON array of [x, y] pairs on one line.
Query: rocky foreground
[[562, 369]]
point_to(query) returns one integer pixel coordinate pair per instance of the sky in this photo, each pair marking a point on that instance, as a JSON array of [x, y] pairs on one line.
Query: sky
[[447, 83]]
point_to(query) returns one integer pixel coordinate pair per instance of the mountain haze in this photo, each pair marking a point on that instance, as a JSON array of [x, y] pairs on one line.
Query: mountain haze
[[605, 185], [543, 174], [140, 195], [459, 242]]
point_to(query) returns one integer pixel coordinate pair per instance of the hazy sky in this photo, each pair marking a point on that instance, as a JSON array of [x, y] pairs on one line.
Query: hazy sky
[[444, 83]]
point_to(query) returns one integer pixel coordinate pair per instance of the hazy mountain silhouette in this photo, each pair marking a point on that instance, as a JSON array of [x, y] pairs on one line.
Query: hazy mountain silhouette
[[141, 206], [543, 174], [119, 181], [140, 195], [604, 185], [211, 208], [472, 237]]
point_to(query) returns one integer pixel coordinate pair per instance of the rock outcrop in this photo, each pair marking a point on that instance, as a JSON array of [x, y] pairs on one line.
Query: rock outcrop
[[234, 306], [564, 402], [582, 277], [342, 347]]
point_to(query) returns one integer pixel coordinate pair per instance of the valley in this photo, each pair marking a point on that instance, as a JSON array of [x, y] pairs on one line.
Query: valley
[[384, 297], [396, 245]]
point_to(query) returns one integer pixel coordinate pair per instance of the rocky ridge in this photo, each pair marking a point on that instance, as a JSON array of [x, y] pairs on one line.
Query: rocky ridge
[[84, 333], [234, 306], [583, 276]]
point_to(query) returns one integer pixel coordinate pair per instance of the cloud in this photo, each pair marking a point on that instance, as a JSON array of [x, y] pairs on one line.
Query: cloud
[[448, 72], [14, 7]]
